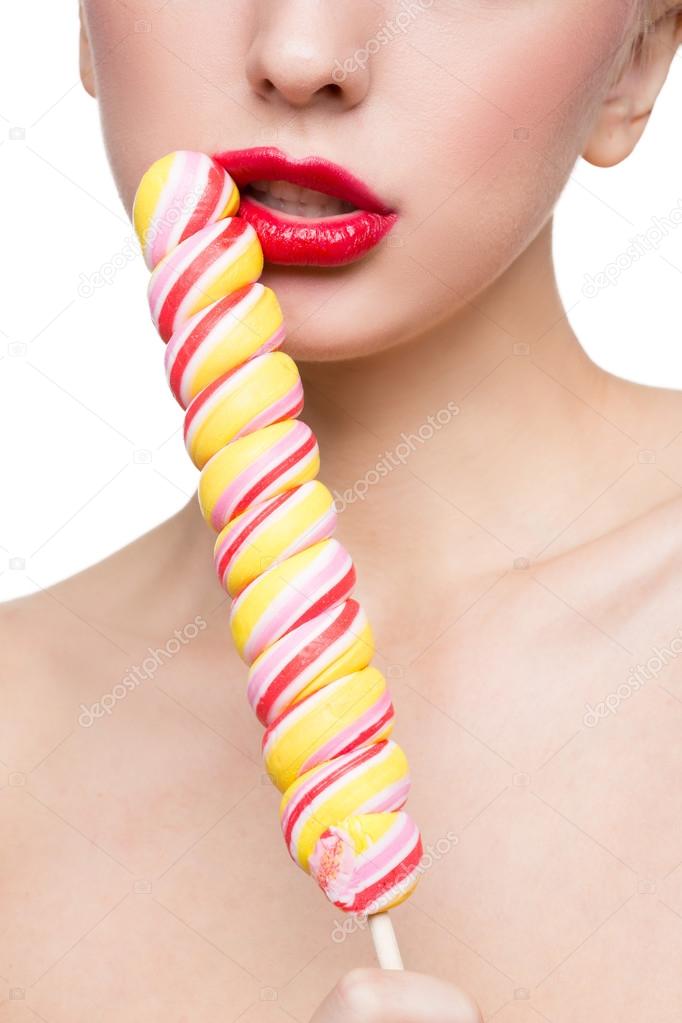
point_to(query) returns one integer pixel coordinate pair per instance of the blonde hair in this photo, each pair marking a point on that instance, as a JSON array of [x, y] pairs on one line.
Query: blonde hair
[[647, 16], [651, 12]]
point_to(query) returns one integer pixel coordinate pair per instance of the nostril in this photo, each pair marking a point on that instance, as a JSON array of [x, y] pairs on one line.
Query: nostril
[[298, 93]]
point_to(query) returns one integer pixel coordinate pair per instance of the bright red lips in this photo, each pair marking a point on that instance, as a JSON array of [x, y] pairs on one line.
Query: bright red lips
[[293, 240]]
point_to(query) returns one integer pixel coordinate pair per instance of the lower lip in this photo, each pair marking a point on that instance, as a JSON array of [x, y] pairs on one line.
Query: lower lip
[[328, 241]]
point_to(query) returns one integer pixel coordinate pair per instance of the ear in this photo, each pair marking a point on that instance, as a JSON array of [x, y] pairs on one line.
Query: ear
[[86, 65], [626, 109]]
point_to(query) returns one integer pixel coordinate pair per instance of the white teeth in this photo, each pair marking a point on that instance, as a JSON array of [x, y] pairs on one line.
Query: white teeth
[[297, 201]]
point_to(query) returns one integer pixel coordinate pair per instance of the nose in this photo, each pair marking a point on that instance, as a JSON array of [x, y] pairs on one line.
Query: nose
[[309, 53]]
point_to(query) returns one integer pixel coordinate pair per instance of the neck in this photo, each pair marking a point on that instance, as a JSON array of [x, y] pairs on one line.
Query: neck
[[479, 411], [488, 416]]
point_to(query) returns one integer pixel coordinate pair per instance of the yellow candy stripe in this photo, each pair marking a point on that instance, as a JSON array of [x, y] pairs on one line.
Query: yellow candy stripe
[[352, 711], [330, 645], [372, 779], [255, 467], [271, 531], [263, 391], [180, 193], [327, 711], [290, 593], [222, 337]]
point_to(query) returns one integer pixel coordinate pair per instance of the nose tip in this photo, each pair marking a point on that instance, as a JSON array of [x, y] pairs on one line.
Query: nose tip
[[307, 86], [298, 58]]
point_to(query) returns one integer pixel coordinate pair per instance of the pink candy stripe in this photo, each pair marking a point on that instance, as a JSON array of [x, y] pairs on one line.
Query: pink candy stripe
[[285, 408], [390, 799], [278, 656], [344, 738], [349, 769], [290, 604], [243, 483], [219, 332], [381, 860], [273, 342], [179, 259], [322, 530], [161, 225], [250, 536]]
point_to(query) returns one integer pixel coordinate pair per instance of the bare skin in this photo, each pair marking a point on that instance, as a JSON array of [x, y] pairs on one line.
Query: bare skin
[[517, 569]]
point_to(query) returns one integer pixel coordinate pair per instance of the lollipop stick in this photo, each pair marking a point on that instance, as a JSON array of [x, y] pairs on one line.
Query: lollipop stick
[[385, 942]]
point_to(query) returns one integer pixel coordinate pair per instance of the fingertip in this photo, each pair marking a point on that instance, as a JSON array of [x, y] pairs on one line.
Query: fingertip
[[374, 996], [361, 993]]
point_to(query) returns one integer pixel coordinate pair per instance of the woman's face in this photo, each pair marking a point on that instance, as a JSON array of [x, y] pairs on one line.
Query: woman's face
[[464, 116]]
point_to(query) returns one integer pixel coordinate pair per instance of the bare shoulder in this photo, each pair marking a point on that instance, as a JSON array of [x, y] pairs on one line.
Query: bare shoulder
[[44, 629], [24, 624], [639, 476]]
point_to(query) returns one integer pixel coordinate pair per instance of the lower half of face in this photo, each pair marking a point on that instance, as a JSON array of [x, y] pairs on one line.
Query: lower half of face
[[462, 117]]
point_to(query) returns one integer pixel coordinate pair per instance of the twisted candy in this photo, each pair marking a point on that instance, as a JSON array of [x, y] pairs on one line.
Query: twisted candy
[[327, 712]]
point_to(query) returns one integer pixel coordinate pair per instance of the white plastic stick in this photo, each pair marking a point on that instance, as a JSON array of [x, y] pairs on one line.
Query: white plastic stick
[[385, 942]]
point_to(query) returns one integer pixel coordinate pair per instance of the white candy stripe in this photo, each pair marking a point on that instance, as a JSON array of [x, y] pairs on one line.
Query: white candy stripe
[[320, 530], [279, 453], [302, 709], [252, 513], [238, 313], [201, 167], [278, 656], [367, 726], [346, 780], [391, 798], [405, 836], [159, 227], [202, 285], [167, 274], [329, 567], [225, 194], [239, 378], [252, 540]]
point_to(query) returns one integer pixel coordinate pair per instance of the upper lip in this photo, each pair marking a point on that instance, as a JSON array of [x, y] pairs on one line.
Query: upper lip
[[267, 163]]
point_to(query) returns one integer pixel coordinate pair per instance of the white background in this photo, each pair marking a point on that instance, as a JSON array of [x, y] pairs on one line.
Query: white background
[[91, 451]]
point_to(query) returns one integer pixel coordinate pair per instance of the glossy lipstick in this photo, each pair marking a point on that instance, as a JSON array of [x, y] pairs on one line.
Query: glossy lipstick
[[304, 241]]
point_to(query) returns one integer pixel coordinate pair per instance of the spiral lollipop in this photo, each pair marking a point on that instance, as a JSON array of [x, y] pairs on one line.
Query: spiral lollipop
[[327, 712]]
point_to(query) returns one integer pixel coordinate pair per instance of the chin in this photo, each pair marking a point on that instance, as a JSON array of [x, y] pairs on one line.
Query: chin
[[334, 315]]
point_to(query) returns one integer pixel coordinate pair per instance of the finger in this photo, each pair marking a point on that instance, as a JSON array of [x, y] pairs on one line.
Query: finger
[[391, 996]]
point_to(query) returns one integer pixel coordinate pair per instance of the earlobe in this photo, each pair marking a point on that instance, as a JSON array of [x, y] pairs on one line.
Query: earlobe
[[625, 111], [85, 56]]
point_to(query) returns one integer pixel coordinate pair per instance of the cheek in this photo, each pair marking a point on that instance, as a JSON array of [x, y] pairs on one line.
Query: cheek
[[165, 77], [482, 114], [550, 56], [500, 105]]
